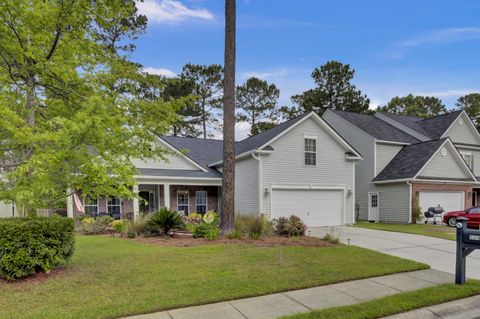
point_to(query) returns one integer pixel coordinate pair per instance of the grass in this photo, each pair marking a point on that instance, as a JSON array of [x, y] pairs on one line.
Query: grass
[[111, 277], [398, 303], [438, 231]]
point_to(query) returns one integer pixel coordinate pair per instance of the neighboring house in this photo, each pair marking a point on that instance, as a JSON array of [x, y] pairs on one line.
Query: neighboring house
[[409, 161], [300, 167]]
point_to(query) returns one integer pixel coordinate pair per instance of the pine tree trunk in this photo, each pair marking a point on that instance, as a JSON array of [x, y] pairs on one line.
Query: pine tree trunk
[[228, 181]]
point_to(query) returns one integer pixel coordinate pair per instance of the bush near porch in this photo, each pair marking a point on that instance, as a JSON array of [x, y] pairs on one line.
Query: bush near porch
[[111, 277]]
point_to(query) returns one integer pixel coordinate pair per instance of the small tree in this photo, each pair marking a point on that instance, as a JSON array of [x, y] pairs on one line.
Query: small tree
[[256, 102]]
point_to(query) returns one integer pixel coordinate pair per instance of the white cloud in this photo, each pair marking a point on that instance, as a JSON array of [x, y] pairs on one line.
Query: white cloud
[[426, 39], [265, 75], [171, 11], [160, 71], [242, 131]]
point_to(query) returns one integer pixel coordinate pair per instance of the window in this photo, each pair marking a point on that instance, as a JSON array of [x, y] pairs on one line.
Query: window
[[114, 207], [374, 200], [468, 159], [201, 201], [91, 206], [182, 202], [310, 151]]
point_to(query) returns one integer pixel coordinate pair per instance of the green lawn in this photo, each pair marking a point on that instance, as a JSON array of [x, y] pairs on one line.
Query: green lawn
[[438, 231], [111, 277], [402, 302]]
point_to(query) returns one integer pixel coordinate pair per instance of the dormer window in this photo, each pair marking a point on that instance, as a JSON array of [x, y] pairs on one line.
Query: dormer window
[[310, 151]]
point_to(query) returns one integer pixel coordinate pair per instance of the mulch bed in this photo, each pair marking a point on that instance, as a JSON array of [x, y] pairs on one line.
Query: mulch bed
[[183, 241], [38, 278]]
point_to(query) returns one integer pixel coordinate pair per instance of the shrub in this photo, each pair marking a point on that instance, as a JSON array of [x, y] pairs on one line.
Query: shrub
[[96, 225], [209, 231], [235, 234], [119, 226], [137, 226], [28, 245], [331, 238], [166, 220], [192, 221], [289, 226], [253, 226]]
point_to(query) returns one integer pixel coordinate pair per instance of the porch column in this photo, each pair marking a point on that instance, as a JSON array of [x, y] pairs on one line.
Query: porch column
[[136, 207], [166, 193], [69, 203]]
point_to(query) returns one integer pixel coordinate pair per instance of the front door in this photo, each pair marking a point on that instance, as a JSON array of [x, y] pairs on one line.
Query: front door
[[373, 206], [146, 202]]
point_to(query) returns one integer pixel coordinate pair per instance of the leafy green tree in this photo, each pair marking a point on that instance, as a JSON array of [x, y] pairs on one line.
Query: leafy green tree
[[334, 90], [179, 92], [208, 91], [471, 104], [69, 114], [411, 105], [257, 104], [289, 112]]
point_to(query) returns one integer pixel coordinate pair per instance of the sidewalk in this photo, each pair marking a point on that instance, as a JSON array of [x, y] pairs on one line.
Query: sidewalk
[[467, 308], [292, 302]]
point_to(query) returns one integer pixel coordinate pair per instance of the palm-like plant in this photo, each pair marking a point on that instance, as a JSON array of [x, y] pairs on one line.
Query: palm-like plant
[[166, 220]]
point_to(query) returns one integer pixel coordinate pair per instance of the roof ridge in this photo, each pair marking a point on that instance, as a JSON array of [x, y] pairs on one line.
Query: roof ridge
[[194, 138], [440, 115]]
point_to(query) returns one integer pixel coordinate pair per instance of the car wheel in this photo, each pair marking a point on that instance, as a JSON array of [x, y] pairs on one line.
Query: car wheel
[[452, 222]]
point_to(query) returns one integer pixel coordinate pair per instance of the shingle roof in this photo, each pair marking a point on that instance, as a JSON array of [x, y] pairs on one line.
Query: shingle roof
[[409, 161], [376, 127], [433, 127], [202, 151], [212, 173]]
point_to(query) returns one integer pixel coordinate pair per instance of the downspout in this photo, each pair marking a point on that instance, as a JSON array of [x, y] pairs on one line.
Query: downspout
[[410, 212], [260, 199]]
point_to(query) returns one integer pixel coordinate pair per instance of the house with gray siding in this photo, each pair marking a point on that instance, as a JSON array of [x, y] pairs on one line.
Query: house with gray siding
[[301, 167], [411, 162]]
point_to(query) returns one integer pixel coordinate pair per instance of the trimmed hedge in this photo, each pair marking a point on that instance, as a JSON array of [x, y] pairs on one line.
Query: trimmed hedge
[[29, 245]]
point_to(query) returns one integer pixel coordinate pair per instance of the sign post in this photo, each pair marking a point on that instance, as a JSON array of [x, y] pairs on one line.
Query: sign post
[[467, 241]]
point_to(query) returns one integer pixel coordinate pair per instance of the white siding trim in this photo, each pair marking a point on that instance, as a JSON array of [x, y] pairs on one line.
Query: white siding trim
[[470, 124], [374, 158], [258, 158], [410, 202], [455, 152]]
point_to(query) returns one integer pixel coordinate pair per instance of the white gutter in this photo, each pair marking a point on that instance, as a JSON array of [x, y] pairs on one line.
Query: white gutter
[[410, 212]]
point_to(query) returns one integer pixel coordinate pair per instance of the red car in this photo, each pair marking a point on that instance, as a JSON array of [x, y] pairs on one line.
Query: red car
[[473, 215]]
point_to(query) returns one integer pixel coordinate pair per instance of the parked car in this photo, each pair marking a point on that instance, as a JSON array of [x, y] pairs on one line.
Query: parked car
[[473, 215]]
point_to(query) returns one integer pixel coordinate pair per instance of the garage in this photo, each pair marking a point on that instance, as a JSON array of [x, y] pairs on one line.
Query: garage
[[6, 209], [315, 207], [449, 201]]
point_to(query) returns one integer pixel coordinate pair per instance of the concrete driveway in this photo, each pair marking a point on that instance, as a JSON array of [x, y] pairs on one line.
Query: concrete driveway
[[436, 252]]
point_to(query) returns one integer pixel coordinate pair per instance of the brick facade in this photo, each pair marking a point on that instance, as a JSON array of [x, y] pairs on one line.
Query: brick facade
[[417, 187], [212, 196]]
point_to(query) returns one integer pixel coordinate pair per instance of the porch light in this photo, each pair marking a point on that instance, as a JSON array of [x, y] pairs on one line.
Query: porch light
[[349, 192], [266, 191]]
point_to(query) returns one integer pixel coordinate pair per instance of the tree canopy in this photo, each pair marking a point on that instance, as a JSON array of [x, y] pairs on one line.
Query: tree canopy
[[71, 116], [471, 104], [208, 89], [411, 105], [333, 90], [257, 104]]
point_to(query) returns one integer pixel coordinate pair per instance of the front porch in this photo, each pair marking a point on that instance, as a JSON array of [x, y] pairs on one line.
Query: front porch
[[179, 197]]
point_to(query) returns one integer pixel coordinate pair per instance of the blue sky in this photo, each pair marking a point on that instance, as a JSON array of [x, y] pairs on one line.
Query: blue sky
[[396, 47]]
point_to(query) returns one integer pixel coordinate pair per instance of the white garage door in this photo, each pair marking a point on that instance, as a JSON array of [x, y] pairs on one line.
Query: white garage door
[[5, 210], [314, 207], [449, 201]]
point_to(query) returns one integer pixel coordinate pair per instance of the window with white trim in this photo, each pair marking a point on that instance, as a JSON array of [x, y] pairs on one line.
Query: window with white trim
[[114, 207], [468, 157], [90, 205], [201, 202], [310, 151], [182, 202]]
